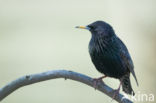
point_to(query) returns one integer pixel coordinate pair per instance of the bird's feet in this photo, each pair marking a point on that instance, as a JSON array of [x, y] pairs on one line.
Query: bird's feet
[[116, 92], [97, 80]]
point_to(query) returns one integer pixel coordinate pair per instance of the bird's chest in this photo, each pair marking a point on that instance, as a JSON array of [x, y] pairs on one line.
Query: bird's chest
[[97, 49], [99, 53], [106, 59]]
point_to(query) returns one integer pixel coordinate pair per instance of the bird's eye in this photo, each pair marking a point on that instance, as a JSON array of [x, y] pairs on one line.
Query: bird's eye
[[91, 27]]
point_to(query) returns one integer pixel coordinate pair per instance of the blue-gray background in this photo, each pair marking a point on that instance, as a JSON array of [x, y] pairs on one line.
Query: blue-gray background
[[39, 35]]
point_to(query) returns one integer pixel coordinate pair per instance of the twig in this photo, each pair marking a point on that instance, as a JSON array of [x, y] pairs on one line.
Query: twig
[[34, 78]]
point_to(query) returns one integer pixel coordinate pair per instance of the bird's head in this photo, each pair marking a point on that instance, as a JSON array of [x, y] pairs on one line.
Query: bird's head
[[99, 28]]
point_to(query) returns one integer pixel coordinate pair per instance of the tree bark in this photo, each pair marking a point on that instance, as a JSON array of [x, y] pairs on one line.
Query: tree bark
[[34, 78]]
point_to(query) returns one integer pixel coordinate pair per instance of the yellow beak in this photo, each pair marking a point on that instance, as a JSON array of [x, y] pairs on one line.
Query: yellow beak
[[83, 27]]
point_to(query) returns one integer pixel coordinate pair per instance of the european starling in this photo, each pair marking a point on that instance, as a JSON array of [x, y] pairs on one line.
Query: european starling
[[109, 55]]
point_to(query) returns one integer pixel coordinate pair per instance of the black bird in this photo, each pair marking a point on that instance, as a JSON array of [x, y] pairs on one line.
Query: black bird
[[109, 55]]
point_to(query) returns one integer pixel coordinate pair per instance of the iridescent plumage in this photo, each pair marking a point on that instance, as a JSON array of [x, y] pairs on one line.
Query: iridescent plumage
[[109, 54]]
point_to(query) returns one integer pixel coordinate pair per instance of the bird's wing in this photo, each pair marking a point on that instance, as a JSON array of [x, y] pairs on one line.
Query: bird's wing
[[127, 61]]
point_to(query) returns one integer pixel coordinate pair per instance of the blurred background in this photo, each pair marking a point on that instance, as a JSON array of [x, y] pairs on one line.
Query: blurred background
[[39, 35]]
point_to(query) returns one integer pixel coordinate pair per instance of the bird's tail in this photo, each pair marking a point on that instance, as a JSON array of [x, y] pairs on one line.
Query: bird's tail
[[126, 84]]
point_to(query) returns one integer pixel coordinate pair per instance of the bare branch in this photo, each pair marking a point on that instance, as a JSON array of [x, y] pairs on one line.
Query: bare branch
[[34, 78]]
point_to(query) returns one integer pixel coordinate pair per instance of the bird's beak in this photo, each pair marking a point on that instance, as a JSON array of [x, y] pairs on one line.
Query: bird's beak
[[83, 27]]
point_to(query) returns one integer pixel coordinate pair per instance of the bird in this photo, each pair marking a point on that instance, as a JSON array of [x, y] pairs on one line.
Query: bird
[[110, 55]]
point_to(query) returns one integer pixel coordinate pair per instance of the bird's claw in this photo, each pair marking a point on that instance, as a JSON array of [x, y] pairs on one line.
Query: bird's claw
[[96, 81], [116, 93]]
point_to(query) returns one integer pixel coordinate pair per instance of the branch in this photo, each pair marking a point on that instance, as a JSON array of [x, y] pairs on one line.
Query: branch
[[34, 78]]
